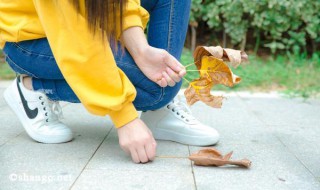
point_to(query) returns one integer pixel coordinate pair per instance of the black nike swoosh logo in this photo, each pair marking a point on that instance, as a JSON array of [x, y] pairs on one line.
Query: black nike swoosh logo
[[30, 113]]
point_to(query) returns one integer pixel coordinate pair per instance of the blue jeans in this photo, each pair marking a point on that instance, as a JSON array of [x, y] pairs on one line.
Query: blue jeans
[[167, 30]]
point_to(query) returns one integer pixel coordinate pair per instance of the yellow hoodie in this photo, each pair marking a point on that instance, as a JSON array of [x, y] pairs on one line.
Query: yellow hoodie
[[87, 64]]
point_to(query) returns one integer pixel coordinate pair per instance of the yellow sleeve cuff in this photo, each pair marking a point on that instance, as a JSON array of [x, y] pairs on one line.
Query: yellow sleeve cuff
[[124, 116], [139, 18], [131, 21]]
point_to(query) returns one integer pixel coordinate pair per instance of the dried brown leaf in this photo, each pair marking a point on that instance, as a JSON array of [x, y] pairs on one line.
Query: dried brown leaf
[[213, 70], [212, 157], [218, 71], [235, 57], [199, 90]]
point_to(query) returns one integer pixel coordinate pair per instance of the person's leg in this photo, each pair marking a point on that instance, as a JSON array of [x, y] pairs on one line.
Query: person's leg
[[167, 30], [150, 96], [168, 24], [169, 120], [35, 59], [38, 114]]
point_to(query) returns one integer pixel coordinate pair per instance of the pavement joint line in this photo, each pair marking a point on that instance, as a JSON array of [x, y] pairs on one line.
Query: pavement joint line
[[11, 139], [296, 156], [279, 139], [85, 166], [192, 170]]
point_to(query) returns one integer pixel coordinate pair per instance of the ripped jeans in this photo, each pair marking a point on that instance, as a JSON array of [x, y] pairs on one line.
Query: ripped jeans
[[167, 30]]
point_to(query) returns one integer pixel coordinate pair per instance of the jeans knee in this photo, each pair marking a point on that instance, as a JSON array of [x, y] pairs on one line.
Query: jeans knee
[[168, 95], [171, 92], [159, 98]]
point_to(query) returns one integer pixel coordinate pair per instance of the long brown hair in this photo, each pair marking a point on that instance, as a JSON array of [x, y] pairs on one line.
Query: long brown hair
[[103, 15]]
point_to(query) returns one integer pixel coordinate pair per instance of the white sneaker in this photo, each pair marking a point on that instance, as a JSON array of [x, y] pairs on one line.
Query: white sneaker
[[38, 115], [174, 122]]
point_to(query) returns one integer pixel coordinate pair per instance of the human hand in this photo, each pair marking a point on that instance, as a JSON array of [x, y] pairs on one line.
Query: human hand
[[159, 66], [136, 139]]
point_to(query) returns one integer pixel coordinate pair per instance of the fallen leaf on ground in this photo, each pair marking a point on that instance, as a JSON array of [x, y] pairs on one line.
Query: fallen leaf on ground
[[212, 157]]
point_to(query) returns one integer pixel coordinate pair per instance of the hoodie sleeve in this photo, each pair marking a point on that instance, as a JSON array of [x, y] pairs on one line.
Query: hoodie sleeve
[[135, 15], [86, 62]]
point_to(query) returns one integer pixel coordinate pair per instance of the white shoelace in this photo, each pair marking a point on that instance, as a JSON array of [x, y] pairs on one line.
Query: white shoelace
[[53, 110], [57, 110], [182, 110]]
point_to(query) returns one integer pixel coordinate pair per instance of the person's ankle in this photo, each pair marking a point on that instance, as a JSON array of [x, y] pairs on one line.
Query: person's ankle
[[27, 82]]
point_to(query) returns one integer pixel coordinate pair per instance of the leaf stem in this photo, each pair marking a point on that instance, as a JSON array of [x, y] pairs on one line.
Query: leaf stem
[[186, 80], [195, 70], [190, 64], [172, 157]]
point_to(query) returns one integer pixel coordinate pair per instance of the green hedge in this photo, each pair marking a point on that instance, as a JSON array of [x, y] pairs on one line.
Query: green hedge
[[286, 25]]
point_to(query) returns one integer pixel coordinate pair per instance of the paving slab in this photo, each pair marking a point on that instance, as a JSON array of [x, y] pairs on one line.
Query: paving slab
[[279, 135], [34, 179], [235, 123], [134, 180], [111, 168], [304, 143], [10, 126], [233, 113], [272, 168], [284, 111], [21, 155], [3, 86], [111, 157], [295, 122]]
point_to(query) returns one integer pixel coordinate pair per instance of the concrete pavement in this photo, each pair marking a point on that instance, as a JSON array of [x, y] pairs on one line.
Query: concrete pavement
[[281, 137]]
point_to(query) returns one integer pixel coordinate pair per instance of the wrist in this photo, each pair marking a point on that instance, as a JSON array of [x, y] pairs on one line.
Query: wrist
[[121, 117], [135, 41], [129, 124], [139, 51]]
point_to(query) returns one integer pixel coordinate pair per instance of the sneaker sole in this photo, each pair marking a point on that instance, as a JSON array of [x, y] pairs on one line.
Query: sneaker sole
[[185, 139], [14, 105]]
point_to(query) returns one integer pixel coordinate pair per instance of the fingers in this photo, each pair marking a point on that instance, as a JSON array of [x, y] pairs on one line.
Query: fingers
[[173, 63], [182, 72], [168, 79], [173, 75], [134, 156], [175, 70], [162, 82], [144, 153], [136, 139], [151, 150]]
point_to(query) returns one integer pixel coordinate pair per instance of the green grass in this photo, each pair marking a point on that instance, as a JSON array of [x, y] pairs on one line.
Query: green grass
[[5, 71], [294, 76]]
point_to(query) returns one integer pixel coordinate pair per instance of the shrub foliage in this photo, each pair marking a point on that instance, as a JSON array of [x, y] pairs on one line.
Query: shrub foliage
[[280, 25]]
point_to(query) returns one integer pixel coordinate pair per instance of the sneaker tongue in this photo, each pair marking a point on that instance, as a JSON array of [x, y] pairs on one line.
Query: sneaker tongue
[[183, 110]]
